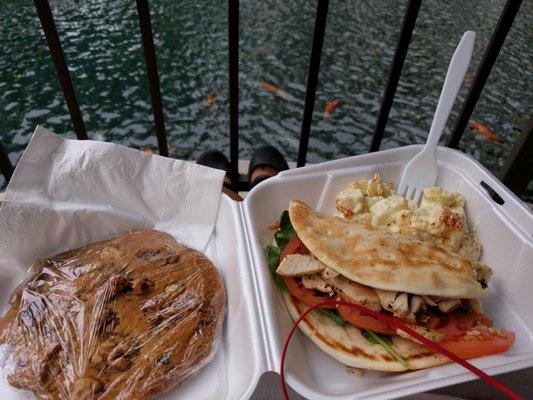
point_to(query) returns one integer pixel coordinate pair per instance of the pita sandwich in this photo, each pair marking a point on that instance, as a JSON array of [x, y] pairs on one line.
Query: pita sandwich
[[429, 288]]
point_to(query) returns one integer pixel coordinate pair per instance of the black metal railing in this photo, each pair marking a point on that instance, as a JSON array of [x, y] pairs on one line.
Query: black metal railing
[[518, 169], [153, 78], [406, 32], [5, 164], [489, 58], [312, 78], [516, 174], [56, 51], [233, 45]]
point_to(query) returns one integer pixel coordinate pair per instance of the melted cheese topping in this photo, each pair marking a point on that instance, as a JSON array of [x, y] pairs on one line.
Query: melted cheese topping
[[440, 219]]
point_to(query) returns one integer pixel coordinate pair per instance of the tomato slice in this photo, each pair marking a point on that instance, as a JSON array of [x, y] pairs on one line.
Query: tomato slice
[[306, 296], [309, 297], [367, 322], [458, 324], [295, 246], [485, 344]]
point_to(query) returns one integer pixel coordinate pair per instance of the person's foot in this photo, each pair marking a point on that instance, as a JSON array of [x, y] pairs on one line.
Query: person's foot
[[216, 159], [266, 162]]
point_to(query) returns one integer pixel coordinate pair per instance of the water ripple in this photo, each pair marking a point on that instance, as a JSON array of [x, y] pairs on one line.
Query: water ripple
[[101, 41]]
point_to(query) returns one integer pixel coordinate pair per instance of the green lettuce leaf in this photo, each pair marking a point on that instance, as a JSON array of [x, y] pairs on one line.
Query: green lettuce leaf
[[284, 236], [286, 231], [386, 343], [331, 314], [279, 281], [272, 256], [281, 237], [285, 221]]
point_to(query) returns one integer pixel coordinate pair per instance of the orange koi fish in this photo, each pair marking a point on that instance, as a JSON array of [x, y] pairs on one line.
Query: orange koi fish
[[269, 87], [329, 107], [147, 149], [210, 100], [482, 129]]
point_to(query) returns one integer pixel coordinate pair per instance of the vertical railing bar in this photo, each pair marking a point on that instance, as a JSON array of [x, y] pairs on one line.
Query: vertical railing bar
[[489, 58], [406, 32], [5, 164], [517, 171], [233, 45], [143, 10], [54, 45], [312, 78]]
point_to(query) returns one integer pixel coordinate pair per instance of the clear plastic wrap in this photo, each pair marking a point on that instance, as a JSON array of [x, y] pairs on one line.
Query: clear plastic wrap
[[127, 318]]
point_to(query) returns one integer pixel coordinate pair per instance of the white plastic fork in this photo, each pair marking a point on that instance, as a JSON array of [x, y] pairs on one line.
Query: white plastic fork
[[421, 171]]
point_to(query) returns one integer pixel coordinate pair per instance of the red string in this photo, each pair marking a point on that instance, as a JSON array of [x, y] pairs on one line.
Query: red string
[[398, 325]]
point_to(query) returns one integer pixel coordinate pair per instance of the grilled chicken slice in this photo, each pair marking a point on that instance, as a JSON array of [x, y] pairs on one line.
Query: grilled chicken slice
[[474, 305], [416, 304], [354, 292], [395, 302], [386, 297], [316, 282], [432, 301], [447, 305], [299, 264], [444, 304], [482, 271], [329, 273]]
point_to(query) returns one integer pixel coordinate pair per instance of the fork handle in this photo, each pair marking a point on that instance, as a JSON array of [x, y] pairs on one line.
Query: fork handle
[[454, 78]]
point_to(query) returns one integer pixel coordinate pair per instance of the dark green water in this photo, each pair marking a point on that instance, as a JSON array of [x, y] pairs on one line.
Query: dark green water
[[102, 44]]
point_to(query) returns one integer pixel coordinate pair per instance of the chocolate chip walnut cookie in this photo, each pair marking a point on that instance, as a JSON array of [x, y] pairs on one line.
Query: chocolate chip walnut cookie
[[130, 317]]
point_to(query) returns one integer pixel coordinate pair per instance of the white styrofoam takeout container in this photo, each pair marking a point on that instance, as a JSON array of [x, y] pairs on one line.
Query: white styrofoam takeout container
[[258, 321]]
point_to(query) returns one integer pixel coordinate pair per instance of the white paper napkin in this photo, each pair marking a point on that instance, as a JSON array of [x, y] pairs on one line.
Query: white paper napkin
[[67, 193]]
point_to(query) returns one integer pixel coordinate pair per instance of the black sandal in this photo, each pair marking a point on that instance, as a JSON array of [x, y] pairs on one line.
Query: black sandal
[[216, 159], [266, 156]]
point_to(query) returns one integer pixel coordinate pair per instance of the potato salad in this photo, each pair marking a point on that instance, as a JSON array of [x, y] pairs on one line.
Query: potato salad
[[440, 219]]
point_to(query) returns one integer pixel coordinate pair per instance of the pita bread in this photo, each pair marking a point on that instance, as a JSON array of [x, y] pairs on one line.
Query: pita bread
[[347, 345], [384, 260]]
